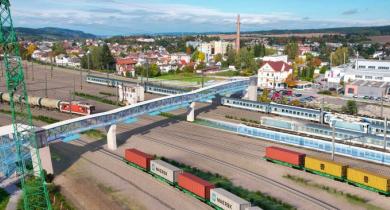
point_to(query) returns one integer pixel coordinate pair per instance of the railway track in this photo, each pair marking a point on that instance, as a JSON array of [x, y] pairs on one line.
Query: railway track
[[115, 156], [317, 202]]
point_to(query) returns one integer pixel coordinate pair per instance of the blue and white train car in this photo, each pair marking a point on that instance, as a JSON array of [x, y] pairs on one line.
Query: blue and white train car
[[246, 104], [296, 112]]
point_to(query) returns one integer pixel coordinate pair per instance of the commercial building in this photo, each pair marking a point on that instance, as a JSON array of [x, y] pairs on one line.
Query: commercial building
[[361, 88], [273, 74], [359, 69], [131, 94]]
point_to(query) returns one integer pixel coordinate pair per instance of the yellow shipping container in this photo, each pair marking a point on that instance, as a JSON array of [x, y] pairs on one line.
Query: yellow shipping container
[[326, 167], [376, 181]]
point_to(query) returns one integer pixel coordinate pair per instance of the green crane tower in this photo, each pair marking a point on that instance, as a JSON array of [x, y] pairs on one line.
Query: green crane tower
[[35, 194]]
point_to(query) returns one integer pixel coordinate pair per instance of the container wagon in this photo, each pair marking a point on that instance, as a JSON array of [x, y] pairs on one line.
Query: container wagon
[[369, 181], [285, 157], [227, 201], [334, 170], [326, 168], [195, 186], [165, 171], [186, 182], [138, 159]]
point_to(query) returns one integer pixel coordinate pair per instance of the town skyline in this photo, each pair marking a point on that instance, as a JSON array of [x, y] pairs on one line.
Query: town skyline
[[122, 17]]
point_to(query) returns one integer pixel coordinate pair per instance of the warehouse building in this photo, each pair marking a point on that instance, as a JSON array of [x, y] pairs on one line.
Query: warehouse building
[[361, 88]]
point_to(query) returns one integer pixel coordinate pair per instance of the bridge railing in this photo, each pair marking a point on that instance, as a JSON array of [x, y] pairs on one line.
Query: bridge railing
[[66, 128]]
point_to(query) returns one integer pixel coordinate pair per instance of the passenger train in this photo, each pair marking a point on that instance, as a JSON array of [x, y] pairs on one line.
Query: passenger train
[[360, 124]]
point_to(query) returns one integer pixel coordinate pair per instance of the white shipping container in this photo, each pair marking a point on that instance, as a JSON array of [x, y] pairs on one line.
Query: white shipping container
[[165, 170], [227, 200], [254, 208]]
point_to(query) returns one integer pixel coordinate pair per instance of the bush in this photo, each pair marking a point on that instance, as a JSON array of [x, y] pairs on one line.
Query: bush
[[325, 92], [256, 198]]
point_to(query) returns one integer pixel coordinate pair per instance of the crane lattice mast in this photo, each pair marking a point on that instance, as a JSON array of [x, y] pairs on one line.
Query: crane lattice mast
[[35, 194]]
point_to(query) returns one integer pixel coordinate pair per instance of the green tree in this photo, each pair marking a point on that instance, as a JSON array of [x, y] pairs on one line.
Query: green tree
[[201, 57], [338, 56], [154, 70], [259, 50], [107, 59], [264, 96], [350, 107], [218, 57], [58, 48], [291, 50]]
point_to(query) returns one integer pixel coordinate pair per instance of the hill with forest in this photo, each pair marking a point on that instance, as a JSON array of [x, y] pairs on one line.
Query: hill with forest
[[50, 33]]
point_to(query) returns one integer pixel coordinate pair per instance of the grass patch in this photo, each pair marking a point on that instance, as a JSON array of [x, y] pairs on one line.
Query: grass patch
[[256, 198], [96, 134], [171, 116], [41, 118], [184, 76], [227, 73], [351, 198], [4, 198], [96, 98], [242, 119], [57, 200], [325, 92], [106, 94]]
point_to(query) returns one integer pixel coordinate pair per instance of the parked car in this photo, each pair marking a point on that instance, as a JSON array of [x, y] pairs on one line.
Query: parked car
[[298, 95]]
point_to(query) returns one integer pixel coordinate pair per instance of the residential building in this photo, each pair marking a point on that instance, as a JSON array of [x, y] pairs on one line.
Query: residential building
[[126, 66], [273, 74], [275, 58]]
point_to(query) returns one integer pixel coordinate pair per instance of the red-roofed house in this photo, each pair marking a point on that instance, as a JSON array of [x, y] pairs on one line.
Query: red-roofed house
[[273, 74], [125, 66]]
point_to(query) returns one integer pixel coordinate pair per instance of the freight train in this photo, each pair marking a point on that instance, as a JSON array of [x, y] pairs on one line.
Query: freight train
[[331, 169], [75, 107], [360, 124], [217, 198]]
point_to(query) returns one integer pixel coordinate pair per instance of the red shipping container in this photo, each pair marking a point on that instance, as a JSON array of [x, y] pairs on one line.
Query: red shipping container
[[139, 158], [285, 155], [195, 185]]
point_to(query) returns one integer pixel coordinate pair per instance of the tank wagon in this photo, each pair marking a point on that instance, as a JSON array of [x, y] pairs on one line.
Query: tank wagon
[[330, 169], [75, 107], [217, 198]]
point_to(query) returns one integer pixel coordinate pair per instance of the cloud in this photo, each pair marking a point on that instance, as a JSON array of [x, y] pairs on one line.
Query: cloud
[[119, 17], [350, 12]]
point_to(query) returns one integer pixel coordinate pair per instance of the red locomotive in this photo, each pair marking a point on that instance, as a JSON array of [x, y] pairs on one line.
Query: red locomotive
[[76, 107]]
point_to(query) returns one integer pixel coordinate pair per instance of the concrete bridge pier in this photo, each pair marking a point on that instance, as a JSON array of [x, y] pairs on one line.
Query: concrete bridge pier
[[111, 137], [45, 156], [191, 112], [252, 89]]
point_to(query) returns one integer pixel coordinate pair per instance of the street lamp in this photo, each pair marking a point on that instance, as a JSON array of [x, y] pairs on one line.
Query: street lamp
[[88, 54]]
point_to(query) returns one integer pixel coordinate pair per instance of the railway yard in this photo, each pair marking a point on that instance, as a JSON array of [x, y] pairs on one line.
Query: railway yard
[[92, 177]]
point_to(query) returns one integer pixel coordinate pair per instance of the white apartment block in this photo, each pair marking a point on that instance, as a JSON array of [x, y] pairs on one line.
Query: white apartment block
[[273, 74]]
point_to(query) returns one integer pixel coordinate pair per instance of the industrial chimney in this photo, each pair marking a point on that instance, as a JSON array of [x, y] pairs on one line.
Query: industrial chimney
[[238, 34]]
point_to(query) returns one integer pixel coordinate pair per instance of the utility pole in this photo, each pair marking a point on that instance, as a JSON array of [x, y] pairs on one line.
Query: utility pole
[[88, 54], [331, 60], [32, 69], [333, 139], [51, 67], [81, 78], [46, 85], [385, 135], [322, 110], [74, 87], [382, 105], [344, 57]]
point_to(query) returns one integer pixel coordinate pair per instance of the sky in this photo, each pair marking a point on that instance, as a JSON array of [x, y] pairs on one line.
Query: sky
[[124, 17]]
